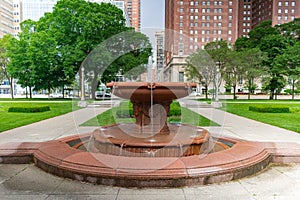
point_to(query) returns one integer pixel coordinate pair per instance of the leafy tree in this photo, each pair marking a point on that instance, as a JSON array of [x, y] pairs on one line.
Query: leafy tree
[[200, 68], [290, 62], [219, 52], [291, 29], [233, 70], [20, 64], [252, 67], [4, 60]]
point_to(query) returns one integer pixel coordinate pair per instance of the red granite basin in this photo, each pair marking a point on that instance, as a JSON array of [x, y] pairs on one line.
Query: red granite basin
[[142, 91]]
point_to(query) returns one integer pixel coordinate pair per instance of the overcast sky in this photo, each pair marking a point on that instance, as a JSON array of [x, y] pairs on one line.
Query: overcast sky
[[152, 13]]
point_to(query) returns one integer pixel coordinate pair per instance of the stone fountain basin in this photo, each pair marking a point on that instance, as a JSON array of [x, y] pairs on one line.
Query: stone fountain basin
[[59, 158], [143, 91]]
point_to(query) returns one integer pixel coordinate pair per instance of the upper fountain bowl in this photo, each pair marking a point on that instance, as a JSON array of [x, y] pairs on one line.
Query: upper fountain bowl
[[142, 91]]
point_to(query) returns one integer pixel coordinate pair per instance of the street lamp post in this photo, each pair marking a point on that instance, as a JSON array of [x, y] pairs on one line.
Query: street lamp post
[[82, 84]]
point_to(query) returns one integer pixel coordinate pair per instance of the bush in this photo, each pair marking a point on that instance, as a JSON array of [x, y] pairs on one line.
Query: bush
[[175, 109], [29, 109], [124, 113], [269, 109]]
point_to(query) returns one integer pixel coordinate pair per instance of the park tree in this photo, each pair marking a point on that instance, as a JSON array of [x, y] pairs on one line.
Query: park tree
[[252, 67], [4, 61], [200, 69], [289, 61], [274, 45], [20, 64], [233, 70], [219, 52]]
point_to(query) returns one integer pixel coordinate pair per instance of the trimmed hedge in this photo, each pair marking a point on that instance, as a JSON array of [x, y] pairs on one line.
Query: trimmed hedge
[[29, 109], [125, 111], [268, 109]]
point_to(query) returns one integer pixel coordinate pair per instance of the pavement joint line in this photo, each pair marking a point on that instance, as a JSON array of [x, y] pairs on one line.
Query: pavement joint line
[[289, 177], [184, 195], [117, 194], [245, 188], [14, 175]]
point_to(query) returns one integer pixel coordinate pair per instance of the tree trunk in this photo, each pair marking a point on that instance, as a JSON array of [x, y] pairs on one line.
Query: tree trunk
[[293, 89], [272, 95], [30, 92], [234, 93], [249, 88], [206, 91], [26, 92], [95, 84], [11, 84], [63, 91]]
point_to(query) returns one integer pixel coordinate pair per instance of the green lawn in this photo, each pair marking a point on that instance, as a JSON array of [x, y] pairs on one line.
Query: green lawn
[[109, 117], [10, 120], [290, 121]]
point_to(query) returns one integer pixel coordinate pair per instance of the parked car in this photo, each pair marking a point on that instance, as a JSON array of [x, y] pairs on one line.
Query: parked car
[[56, 95], [101, 94]]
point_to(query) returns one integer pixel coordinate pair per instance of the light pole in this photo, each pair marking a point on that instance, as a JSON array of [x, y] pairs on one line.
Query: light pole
[[82, 84]]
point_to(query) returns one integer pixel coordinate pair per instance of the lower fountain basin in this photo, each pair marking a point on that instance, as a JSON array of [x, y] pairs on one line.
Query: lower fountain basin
[[131, 140]]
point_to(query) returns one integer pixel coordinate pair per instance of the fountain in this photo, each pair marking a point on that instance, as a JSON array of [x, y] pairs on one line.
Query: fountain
[[148, 152]]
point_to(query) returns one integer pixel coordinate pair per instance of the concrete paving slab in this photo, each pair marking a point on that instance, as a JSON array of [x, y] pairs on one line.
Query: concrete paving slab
[[152, 197], [71, 187], [8, 171], [30, 180], [24, 197], [81, 197]]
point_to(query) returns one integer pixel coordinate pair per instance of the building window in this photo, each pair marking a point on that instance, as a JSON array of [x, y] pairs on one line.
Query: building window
[[229, 32], [203, 10], [230, 10], [203, 32], [286, 11], [203, 17], [191, 3], [181, 77], [196, 17], [219, 24], [219, 32], [181, 24], [181, 10], [180, 31], [207, 24], [229, 24], [292, 10], [292, 18], [180, 17], [279, 11], [230, 17], [293, 3], [286, 3], [279, 3], [208, 32], [220, 10], [286, 18], [181, 3], [196, 10]]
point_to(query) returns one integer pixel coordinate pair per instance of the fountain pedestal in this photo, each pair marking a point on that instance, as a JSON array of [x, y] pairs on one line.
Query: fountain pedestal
[[151, 101]]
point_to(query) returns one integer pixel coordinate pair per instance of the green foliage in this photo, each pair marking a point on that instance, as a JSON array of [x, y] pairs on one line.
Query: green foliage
[[288, 121], [29, 109], [175, 109], [269, 109], [10, 120], [177, 115]]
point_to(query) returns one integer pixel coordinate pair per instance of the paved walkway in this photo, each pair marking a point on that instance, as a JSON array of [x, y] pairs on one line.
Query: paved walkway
[[29, 182]]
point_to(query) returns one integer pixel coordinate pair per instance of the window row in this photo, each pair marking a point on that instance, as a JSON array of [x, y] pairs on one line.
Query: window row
[[286, 18], [286, 3], [206, 17], [285, 10]]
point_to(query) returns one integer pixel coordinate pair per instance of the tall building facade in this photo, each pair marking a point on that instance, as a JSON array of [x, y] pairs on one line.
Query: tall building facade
[[35, 9], [7, 17], [191, 24], [133, 8], [160, 57]]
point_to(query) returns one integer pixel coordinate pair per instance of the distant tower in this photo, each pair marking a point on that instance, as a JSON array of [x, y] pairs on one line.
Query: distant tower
[[160, 48], [133, 8]]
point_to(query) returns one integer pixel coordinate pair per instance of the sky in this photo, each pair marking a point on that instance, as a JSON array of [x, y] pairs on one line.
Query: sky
[[152, 13]]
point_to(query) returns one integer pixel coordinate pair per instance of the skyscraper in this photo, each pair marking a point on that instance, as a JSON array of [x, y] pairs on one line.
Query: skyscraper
[[191, 24], [133, 8], [7, 17]]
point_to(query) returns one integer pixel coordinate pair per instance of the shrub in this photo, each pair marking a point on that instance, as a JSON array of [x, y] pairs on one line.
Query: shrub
[[124, 113], [175, 109], [269, 109], [29, 109]]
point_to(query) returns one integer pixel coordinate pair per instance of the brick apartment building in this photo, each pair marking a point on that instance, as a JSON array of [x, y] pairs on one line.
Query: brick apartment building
[[133, 8], [190, 24]]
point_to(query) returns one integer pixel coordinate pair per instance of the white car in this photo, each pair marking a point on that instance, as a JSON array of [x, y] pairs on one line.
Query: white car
[[56, 95]]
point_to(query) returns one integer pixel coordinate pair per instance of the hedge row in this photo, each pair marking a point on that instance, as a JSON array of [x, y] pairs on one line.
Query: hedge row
[[268, 109], [29, 109], [123, 112]]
